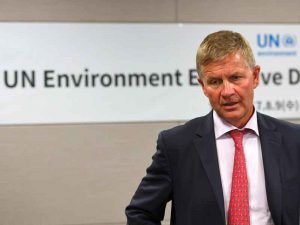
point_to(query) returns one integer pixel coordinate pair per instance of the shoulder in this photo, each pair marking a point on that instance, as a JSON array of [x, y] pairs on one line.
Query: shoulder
[[285, 128], [186, 132], [278, 122]]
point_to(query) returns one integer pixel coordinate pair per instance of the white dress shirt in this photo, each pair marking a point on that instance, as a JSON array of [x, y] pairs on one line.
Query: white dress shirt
[[259, 209]]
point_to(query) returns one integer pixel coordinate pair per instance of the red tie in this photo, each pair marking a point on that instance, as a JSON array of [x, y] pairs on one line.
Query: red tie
[[238, 212]]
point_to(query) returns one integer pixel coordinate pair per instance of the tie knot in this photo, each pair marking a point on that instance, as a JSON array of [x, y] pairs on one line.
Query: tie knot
[[237, 136]]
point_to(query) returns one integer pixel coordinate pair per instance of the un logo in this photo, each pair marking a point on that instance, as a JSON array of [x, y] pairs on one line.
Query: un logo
[[289, 40]]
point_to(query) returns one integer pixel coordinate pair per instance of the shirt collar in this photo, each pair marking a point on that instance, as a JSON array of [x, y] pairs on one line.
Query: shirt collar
[[222, 127]]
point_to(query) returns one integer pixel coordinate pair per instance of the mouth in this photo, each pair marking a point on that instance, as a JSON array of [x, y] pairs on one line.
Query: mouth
[[230, 105]]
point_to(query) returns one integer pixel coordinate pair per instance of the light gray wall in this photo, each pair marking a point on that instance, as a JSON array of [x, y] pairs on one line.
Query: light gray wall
[[87, 173]]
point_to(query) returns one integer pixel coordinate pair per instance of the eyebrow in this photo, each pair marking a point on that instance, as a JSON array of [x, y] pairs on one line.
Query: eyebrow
[[215, 75]]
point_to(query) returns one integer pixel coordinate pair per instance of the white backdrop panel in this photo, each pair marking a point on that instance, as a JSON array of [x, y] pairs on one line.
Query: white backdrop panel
[[73, 73]]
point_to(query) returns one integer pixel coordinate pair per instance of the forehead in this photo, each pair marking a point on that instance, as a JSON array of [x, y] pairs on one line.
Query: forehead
[[232, 63]]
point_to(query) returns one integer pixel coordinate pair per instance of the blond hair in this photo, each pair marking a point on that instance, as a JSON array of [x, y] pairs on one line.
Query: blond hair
[[216, 46]]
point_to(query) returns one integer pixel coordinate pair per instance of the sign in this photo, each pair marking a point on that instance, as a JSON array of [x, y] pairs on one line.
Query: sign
[[85, 73]]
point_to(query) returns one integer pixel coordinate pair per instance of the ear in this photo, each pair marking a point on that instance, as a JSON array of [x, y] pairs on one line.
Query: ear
[[256, 74], [200, 81]]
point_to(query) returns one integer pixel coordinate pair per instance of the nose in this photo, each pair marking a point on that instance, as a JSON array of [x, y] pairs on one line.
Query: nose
[[227, 89]]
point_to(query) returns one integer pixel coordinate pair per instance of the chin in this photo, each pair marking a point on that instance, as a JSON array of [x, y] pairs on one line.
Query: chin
[[231, 116]]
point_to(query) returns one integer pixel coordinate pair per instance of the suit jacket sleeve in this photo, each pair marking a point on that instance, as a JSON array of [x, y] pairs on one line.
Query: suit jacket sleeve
[[147, 206]]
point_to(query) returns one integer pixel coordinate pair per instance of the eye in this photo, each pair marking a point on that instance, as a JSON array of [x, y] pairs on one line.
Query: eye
[[235, 77], [214, 82]]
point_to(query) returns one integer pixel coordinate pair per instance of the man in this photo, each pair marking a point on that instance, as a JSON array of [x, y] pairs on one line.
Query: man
[[232, 166]]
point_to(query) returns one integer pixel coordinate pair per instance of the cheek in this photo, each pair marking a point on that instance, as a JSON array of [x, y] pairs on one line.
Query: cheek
[[247, 95], [212, 94], [213, 97], [245, 90]]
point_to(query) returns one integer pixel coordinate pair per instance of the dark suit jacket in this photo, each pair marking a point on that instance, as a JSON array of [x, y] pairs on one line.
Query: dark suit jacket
[[185, 170]]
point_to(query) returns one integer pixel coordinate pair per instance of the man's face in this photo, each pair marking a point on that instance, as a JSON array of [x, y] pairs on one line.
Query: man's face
[[229, 84]]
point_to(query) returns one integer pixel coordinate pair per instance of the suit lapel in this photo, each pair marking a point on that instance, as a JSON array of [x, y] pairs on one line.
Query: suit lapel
[[271, 146], [205, 145]]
